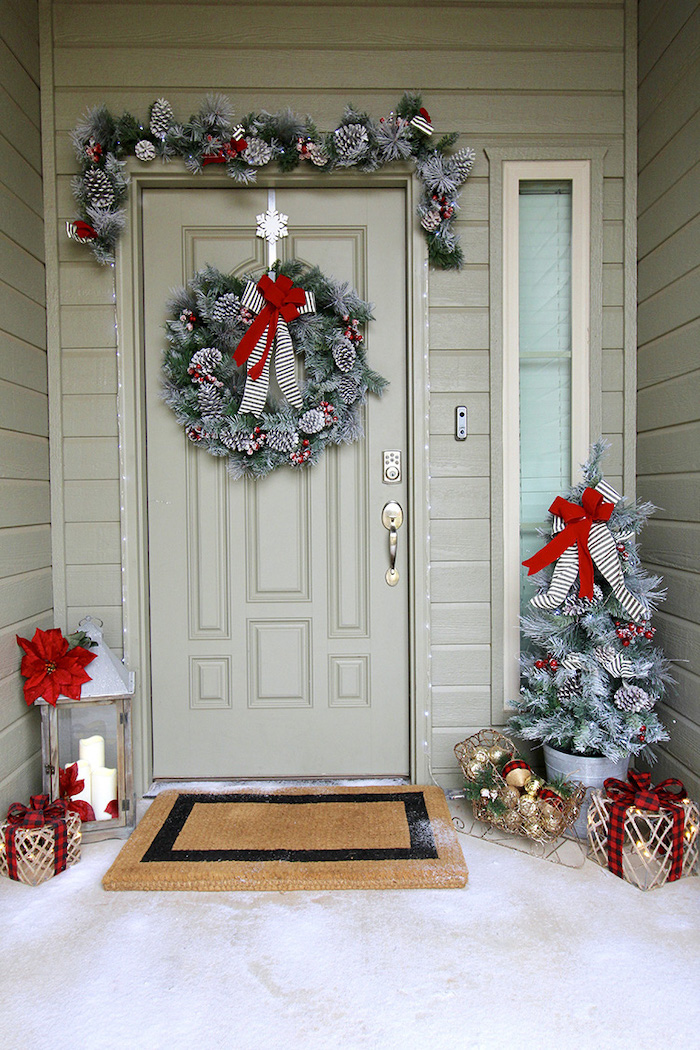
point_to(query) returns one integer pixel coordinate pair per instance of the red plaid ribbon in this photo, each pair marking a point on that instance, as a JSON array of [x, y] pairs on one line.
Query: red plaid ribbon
[[38, 814], [547, 795], [515, 763], [637, 791]]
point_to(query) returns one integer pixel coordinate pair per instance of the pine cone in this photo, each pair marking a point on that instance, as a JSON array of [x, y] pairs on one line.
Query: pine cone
[[226, 309], [577, 606], [632, 698], [569, 692], [312, 421], [257, 152], [145, 150], [162, 117], [317, 154], [348, 390], [431, 220], [351, 143], [209, 400], [98, 188], [207, 359], [461, 164], [344, 355], [283, 440], [249, 443]]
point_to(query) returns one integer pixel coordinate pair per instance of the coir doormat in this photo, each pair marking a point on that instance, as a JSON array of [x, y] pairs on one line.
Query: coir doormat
[[294, 839]]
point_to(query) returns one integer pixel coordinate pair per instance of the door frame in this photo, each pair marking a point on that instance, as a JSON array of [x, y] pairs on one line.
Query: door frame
[[131, 409]]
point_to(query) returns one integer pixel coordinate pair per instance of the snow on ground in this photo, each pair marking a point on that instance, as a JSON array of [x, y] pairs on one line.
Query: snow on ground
[[529, 954]]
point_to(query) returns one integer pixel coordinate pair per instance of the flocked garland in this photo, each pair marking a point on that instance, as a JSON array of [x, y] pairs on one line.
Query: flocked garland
[[210, 138], [204, 387]]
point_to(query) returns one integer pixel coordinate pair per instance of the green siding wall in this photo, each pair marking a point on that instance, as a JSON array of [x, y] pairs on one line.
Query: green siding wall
[[537, 73], [25, 541], [668, 454]]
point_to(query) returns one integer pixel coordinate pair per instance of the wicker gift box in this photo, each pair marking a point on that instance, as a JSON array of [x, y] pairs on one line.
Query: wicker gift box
[[540, 819], [35, 848], [645, 846]]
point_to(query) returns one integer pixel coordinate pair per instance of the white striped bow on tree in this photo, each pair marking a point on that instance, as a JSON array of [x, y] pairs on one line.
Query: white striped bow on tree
[[581, 538]]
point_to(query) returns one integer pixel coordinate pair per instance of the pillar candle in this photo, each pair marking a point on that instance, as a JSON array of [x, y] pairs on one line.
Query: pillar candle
[[92, 751], [84, 773], [104, 789]]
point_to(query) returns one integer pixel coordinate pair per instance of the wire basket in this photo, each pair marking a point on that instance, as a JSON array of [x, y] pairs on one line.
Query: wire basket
[[481, 757]]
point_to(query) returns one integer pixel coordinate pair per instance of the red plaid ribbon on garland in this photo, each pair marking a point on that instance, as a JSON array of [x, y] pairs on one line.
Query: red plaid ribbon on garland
[[637, 791], [38, 814]]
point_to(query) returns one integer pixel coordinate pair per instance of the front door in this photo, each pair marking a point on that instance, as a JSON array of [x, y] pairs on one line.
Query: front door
[[277, 647]]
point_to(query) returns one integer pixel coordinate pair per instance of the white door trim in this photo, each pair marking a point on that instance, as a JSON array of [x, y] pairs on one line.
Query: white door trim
[[132, 468]]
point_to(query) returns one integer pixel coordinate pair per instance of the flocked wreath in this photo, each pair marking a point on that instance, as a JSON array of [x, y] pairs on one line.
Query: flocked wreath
[[221, 327], [211, 141]]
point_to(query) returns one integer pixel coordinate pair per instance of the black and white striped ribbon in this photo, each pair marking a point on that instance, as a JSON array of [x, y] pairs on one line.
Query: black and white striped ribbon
[[255, 393], [614, 663], [604, 553]]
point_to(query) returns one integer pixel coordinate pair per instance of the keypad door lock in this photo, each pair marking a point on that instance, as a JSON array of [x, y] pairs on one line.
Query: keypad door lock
[[391, 468]]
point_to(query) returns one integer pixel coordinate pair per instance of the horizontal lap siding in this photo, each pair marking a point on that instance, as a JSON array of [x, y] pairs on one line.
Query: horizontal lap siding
[[532, 72], [25, 540], [668, 362]]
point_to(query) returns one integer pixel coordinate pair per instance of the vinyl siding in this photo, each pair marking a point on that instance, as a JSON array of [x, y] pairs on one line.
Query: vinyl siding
[[25, 540], [668, 455], [536, 73]]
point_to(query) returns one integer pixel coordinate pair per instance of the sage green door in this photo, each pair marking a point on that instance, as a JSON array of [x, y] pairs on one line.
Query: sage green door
[[277, 647]]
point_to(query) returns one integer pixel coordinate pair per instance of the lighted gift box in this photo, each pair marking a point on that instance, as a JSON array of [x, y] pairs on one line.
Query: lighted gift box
[[86, 744], [643, 834]]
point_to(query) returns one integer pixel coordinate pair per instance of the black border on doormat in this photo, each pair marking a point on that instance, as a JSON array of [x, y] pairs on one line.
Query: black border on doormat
[[422, 845]]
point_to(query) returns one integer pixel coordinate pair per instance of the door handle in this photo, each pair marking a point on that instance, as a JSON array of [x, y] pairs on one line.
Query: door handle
[[392, 519]]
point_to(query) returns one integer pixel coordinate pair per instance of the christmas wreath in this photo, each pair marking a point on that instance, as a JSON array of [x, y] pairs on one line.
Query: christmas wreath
[[227, 335], [211, 141]]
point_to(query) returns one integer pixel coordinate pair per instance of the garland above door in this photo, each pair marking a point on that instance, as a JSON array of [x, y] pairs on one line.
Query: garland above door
[[210, 140]]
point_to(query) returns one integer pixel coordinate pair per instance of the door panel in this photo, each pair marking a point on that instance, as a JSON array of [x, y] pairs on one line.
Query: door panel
[[277, 647]]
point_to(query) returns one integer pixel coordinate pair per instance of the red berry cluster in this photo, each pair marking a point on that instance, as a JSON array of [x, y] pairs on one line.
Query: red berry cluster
[[550, 664], [195, 432], [642, 734], [246, 315], [301, 454], [188, 319], [622, 551], [328, 410], [446, 210], [351, 331], [199, 375], [93, 151], [257, 440], [627, 633]]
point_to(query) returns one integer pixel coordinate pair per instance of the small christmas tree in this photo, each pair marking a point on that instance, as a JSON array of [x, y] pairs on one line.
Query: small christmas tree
[[590, 673]]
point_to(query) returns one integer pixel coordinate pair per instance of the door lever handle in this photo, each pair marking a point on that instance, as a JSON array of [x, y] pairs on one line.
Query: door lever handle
[[392, 519]]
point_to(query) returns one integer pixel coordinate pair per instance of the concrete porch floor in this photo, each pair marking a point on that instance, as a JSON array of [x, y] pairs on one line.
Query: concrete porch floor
[[529, 954]]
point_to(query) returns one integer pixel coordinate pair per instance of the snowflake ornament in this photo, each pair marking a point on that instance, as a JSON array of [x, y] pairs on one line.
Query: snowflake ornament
[[272, 225]]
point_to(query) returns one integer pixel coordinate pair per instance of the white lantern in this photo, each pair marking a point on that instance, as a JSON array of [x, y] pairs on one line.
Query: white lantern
[[95, 733]]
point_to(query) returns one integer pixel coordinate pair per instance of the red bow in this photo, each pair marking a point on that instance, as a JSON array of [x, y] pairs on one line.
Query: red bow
[[282, 298], [637, 791], [577, 529], [39, 813], [228, 151]]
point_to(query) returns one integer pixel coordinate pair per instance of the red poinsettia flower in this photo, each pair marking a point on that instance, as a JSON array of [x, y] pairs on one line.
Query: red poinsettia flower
[[51, 667], [112, 808], [69, 785]]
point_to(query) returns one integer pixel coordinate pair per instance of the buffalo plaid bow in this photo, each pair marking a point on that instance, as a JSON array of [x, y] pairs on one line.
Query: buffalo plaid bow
[[638, 792], [39, 813]]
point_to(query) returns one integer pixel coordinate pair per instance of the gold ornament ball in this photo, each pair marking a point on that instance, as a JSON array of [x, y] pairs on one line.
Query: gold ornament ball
[[511, 820], [510, 797], [533, 784], [527, 806], [497, 753], [550, 817], [518, 777], [481, 755], [532, 827], [474, 769]]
